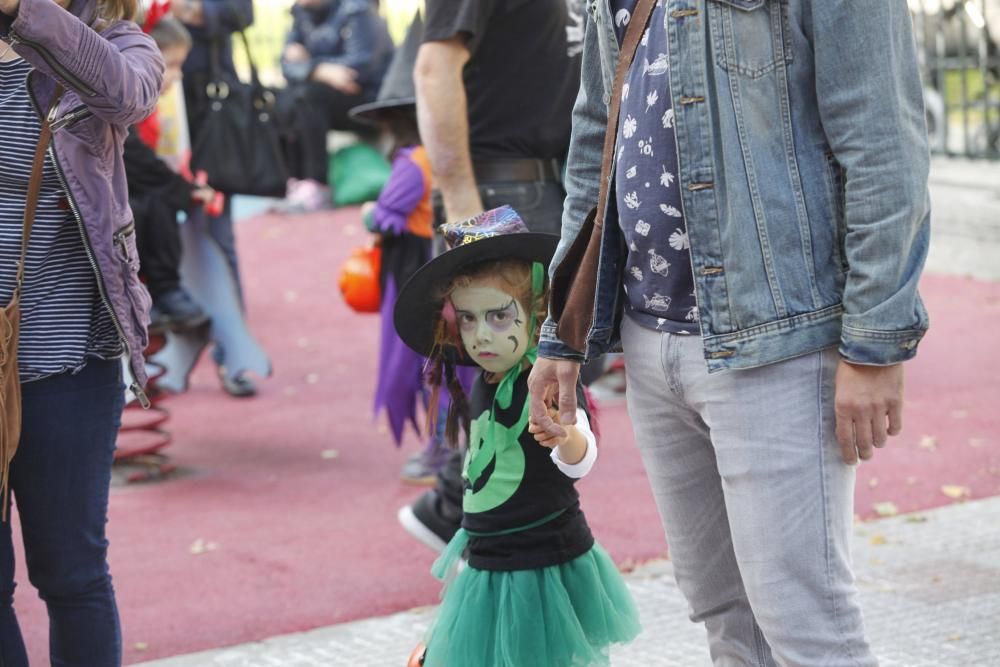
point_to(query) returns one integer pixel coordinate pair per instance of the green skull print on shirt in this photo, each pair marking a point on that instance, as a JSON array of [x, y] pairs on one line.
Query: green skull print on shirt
[[494, 464]]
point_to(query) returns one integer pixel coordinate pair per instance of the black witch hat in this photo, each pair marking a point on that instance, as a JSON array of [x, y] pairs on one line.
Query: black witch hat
[[397, 91]]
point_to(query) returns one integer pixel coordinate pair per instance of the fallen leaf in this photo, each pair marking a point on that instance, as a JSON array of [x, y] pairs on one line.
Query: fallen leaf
[[935, 580], [140, 646], [959, 414], [878, 540], [329, 454], [954, 638], [874, 561], [886, 509], [928, 442], [200, 546], [873, 482], [956, 492], [916, 518]]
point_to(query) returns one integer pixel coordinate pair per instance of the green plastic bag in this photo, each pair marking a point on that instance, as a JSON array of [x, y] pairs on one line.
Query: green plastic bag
[[357, 174]]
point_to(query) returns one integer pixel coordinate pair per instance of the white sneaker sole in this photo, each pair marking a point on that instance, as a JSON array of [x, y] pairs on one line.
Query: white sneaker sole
[[411, 524]]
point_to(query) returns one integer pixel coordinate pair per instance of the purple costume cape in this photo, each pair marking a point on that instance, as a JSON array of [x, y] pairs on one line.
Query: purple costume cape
[[400, 370]]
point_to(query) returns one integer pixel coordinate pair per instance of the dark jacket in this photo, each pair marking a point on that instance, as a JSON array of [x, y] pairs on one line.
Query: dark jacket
[[343, 32], [112, 80], [148, 175]]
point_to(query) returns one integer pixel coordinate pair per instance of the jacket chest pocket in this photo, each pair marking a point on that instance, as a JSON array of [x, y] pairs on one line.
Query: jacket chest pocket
[[750, 37]]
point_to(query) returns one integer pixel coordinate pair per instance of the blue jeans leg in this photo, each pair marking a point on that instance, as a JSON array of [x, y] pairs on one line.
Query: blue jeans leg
[[60, 479]]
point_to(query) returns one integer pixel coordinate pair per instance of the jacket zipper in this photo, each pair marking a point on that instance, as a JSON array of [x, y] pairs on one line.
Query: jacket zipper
[[71, 118], [69, 77], [134, 385]]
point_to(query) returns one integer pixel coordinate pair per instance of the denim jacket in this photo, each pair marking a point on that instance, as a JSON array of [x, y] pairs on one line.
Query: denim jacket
[[803, 167]]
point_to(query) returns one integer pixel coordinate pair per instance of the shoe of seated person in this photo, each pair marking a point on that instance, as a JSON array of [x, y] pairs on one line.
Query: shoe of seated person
[[429, 520], [176, 311], [309, 196], [239, 386]]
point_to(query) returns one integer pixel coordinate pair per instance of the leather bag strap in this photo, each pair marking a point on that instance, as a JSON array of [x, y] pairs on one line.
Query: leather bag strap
[[633, 34], [35, 188]]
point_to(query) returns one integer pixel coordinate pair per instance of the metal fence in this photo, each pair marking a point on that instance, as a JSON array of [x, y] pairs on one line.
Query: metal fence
[[958, 48]]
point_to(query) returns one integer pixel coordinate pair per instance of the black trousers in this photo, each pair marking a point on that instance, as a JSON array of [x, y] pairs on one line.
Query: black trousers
[[313, 109], [158, 239]]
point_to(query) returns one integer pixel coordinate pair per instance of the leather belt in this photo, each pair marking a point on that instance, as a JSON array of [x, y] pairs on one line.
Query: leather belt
[[517, 170]]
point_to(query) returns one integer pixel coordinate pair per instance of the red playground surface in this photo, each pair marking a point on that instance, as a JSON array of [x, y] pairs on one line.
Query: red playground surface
[[281, 515]]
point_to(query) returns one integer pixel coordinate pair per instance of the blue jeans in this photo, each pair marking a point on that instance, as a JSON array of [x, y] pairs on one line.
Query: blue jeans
[[756, 501], [60, 479]]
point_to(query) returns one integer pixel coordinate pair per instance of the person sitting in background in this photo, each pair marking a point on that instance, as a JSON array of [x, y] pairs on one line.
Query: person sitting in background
[[157, 193], [336, 55]]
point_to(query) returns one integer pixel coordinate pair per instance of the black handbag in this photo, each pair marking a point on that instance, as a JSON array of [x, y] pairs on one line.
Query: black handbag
[[239, 139]]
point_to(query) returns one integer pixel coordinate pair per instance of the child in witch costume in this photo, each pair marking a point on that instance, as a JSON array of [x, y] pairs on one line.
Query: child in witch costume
[[537, 589]]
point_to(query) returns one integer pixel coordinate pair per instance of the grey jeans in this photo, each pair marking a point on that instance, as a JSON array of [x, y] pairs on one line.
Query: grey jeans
[[755, 499]]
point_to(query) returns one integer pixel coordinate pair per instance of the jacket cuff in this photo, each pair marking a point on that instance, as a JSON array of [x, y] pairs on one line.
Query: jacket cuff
[[879, 348], [550, 347]]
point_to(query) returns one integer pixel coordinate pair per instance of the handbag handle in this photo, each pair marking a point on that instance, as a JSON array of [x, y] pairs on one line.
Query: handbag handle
[[633, 34], [35, 188]]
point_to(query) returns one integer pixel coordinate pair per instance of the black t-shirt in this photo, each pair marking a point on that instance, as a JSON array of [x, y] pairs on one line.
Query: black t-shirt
[[519, 486], [523, 74]]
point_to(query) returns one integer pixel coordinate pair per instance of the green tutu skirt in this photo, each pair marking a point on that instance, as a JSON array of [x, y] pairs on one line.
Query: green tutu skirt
[[561, 616]]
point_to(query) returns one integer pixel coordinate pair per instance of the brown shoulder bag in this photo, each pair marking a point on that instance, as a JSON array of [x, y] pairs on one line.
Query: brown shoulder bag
[[574, 282]]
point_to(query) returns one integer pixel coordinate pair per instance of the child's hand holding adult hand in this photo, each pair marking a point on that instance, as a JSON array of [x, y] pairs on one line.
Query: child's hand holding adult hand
[[544, 437], [559, 376]]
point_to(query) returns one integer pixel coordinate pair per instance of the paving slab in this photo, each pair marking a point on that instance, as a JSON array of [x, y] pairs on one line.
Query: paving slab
[[929, 585]]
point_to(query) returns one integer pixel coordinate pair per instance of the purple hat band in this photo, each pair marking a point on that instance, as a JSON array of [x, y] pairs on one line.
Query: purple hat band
[[501, 221]]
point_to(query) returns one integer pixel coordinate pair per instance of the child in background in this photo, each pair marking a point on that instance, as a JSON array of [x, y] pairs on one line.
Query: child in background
[[401, 218], [537, 589], [157, 193]]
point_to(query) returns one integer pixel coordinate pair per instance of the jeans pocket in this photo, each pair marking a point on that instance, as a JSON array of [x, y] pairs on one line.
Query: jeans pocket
[[750, 37]]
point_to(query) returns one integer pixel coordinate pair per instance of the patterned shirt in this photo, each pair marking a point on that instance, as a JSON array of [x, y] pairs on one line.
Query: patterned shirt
[[62, 319], [658, 278]]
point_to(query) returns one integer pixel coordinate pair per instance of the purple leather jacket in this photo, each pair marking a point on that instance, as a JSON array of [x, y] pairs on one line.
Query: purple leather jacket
[[112, 79]]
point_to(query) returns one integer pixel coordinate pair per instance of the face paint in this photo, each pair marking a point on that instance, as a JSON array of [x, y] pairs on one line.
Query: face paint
[[493, 326]]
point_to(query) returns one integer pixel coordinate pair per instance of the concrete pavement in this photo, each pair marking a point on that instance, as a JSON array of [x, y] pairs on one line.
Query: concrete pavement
[[929, 582]]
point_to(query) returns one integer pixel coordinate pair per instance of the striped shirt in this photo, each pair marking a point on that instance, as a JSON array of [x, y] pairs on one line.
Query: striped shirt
[[63, 321]]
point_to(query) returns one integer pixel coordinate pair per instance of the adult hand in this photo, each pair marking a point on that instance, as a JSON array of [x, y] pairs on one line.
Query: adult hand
[[9, 6], [296, 53], [548, 378], [341, 77], [203, 194], [189, 12], [868, 404]]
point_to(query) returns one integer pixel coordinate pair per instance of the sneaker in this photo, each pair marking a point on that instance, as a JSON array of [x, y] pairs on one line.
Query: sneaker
[[176, 311], [308, 196], [422, 468], [426, 520], [240, 386]]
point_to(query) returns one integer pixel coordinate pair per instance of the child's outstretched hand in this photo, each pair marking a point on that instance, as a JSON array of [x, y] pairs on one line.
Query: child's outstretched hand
[[542, 436]]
